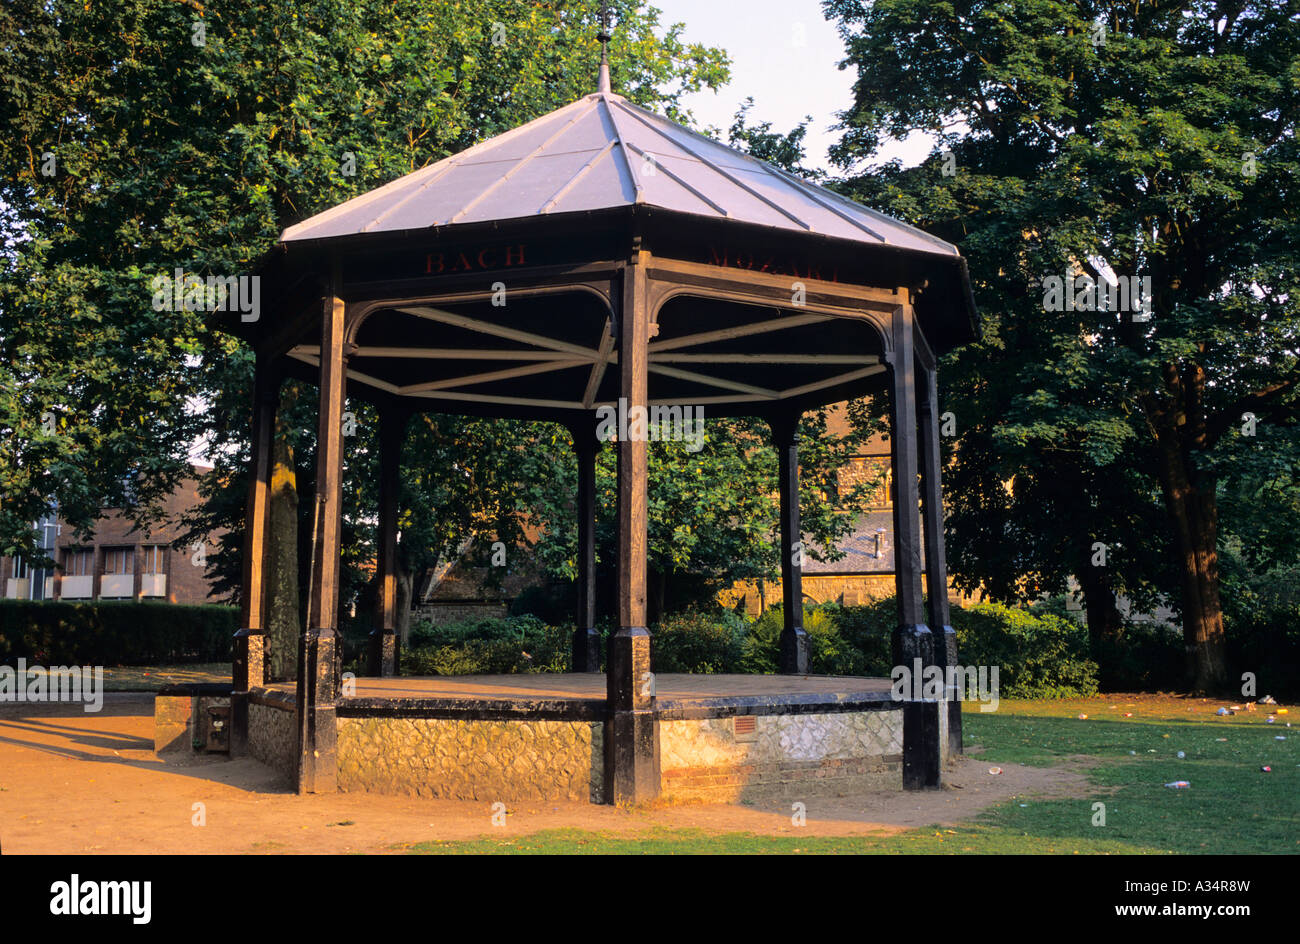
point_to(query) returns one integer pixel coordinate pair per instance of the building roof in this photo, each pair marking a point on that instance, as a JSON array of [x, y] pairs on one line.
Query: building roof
[[603, 152]]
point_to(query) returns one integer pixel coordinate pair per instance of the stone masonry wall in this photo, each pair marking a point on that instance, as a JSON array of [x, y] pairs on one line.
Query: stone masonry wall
[[840, 752], [273, 738], [472, 760]]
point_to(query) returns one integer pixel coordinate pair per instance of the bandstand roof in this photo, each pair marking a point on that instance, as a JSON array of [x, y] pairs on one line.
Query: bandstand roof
[[599, 153], [564, 199]]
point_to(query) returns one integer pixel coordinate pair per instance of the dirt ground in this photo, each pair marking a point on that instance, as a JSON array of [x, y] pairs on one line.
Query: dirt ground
[[72, 782]]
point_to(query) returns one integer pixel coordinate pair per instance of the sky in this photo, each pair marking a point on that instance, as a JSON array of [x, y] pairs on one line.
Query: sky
[[786, 56]]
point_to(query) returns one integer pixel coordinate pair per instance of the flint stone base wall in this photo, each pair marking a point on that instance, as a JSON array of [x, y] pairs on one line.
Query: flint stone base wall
[[473, 760], [786, 756], [273, 738]]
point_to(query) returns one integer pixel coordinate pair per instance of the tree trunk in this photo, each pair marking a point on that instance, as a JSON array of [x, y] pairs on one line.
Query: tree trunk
[[1193, 508], [284, 616], [405, 588], [1099, 608]]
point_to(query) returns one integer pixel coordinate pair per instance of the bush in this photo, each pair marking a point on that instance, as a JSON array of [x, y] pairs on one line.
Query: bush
[[505, 646], [1143, 657], [693, 641], [1039, 655], [115, 633], [1261, 623]]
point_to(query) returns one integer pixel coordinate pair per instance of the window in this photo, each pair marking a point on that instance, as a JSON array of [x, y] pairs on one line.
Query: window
[[153, 560], [78, 563], [20, 569], [119, 560]]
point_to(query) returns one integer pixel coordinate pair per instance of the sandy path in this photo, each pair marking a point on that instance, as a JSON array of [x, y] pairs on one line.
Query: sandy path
[[72, 782]]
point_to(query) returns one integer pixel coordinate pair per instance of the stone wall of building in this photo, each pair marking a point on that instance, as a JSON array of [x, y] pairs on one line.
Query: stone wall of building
[[273, 737], [472, 760], [783, 755], [442, 612]]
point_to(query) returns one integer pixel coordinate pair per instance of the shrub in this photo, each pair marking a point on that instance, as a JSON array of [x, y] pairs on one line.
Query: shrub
[[504, 646], [694, 641], [1261, 623], [1039, 655], [115, 632]]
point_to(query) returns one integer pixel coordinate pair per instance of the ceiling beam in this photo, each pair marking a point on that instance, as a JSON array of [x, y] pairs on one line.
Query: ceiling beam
[[765, 359], [833, 381], [500, 331], [471, 379], [738, 331], [714, 381]]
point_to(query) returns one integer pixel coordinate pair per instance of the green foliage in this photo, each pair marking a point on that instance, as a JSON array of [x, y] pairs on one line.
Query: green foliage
[[1039, 655], [115, 633], [1262, 623], [509, 645], [174, 152], [695, 641], [1168, 150], [713, 514]]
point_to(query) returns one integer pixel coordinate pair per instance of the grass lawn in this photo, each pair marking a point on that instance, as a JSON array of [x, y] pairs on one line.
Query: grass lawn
[[1231, 807], [150, 678]]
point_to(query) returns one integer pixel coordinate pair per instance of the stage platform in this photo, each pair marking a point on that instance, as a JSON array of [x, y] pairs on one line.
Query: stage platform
[[510, 737], [582, 695]]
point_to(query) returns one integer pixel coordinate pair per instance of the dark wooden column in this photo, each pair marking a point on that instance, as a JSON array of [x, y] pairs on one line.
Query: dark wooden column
[[250, 642], [586, 640], [318, 653], [912, 644], [794, 639], [632, 734], [383, 636], [943, 636]]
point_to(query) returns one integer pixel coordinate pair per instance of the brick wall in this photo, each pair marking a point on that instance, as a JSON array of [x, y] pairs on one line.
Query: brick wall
[[186, 582]]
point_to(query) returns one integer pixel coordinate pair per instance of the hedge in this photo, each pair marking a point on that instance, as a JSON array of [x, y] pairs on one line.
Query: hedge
[[115, 632], [1039, 655], [487, 646]]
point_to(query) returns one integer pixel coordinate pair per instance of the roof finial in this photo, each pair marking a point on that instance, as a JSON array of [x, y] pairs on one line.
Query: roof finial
[[603, 82]]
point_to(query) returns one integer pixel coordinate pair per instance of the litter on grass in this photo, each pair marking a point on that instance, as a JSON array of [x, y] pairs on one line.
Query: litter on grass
[[1179, 785]]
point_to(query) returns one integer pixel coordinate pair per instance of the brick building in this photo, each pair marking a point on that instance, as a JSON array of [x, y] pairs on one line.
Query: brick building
[[117, 562]]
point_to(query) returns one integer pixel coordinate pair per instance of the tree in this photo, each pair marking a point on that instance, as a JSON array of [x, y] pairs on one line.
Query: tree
[[1148, 141], [145, 136]]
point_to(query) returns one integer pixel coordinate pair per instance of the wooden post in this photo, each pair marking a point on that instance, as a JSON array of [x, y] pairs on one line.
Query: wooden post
[[250, 642], [318, 682], [794, 639], [586, 639], [943, 636], [383, 635], [632, 733], [912, 645]]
